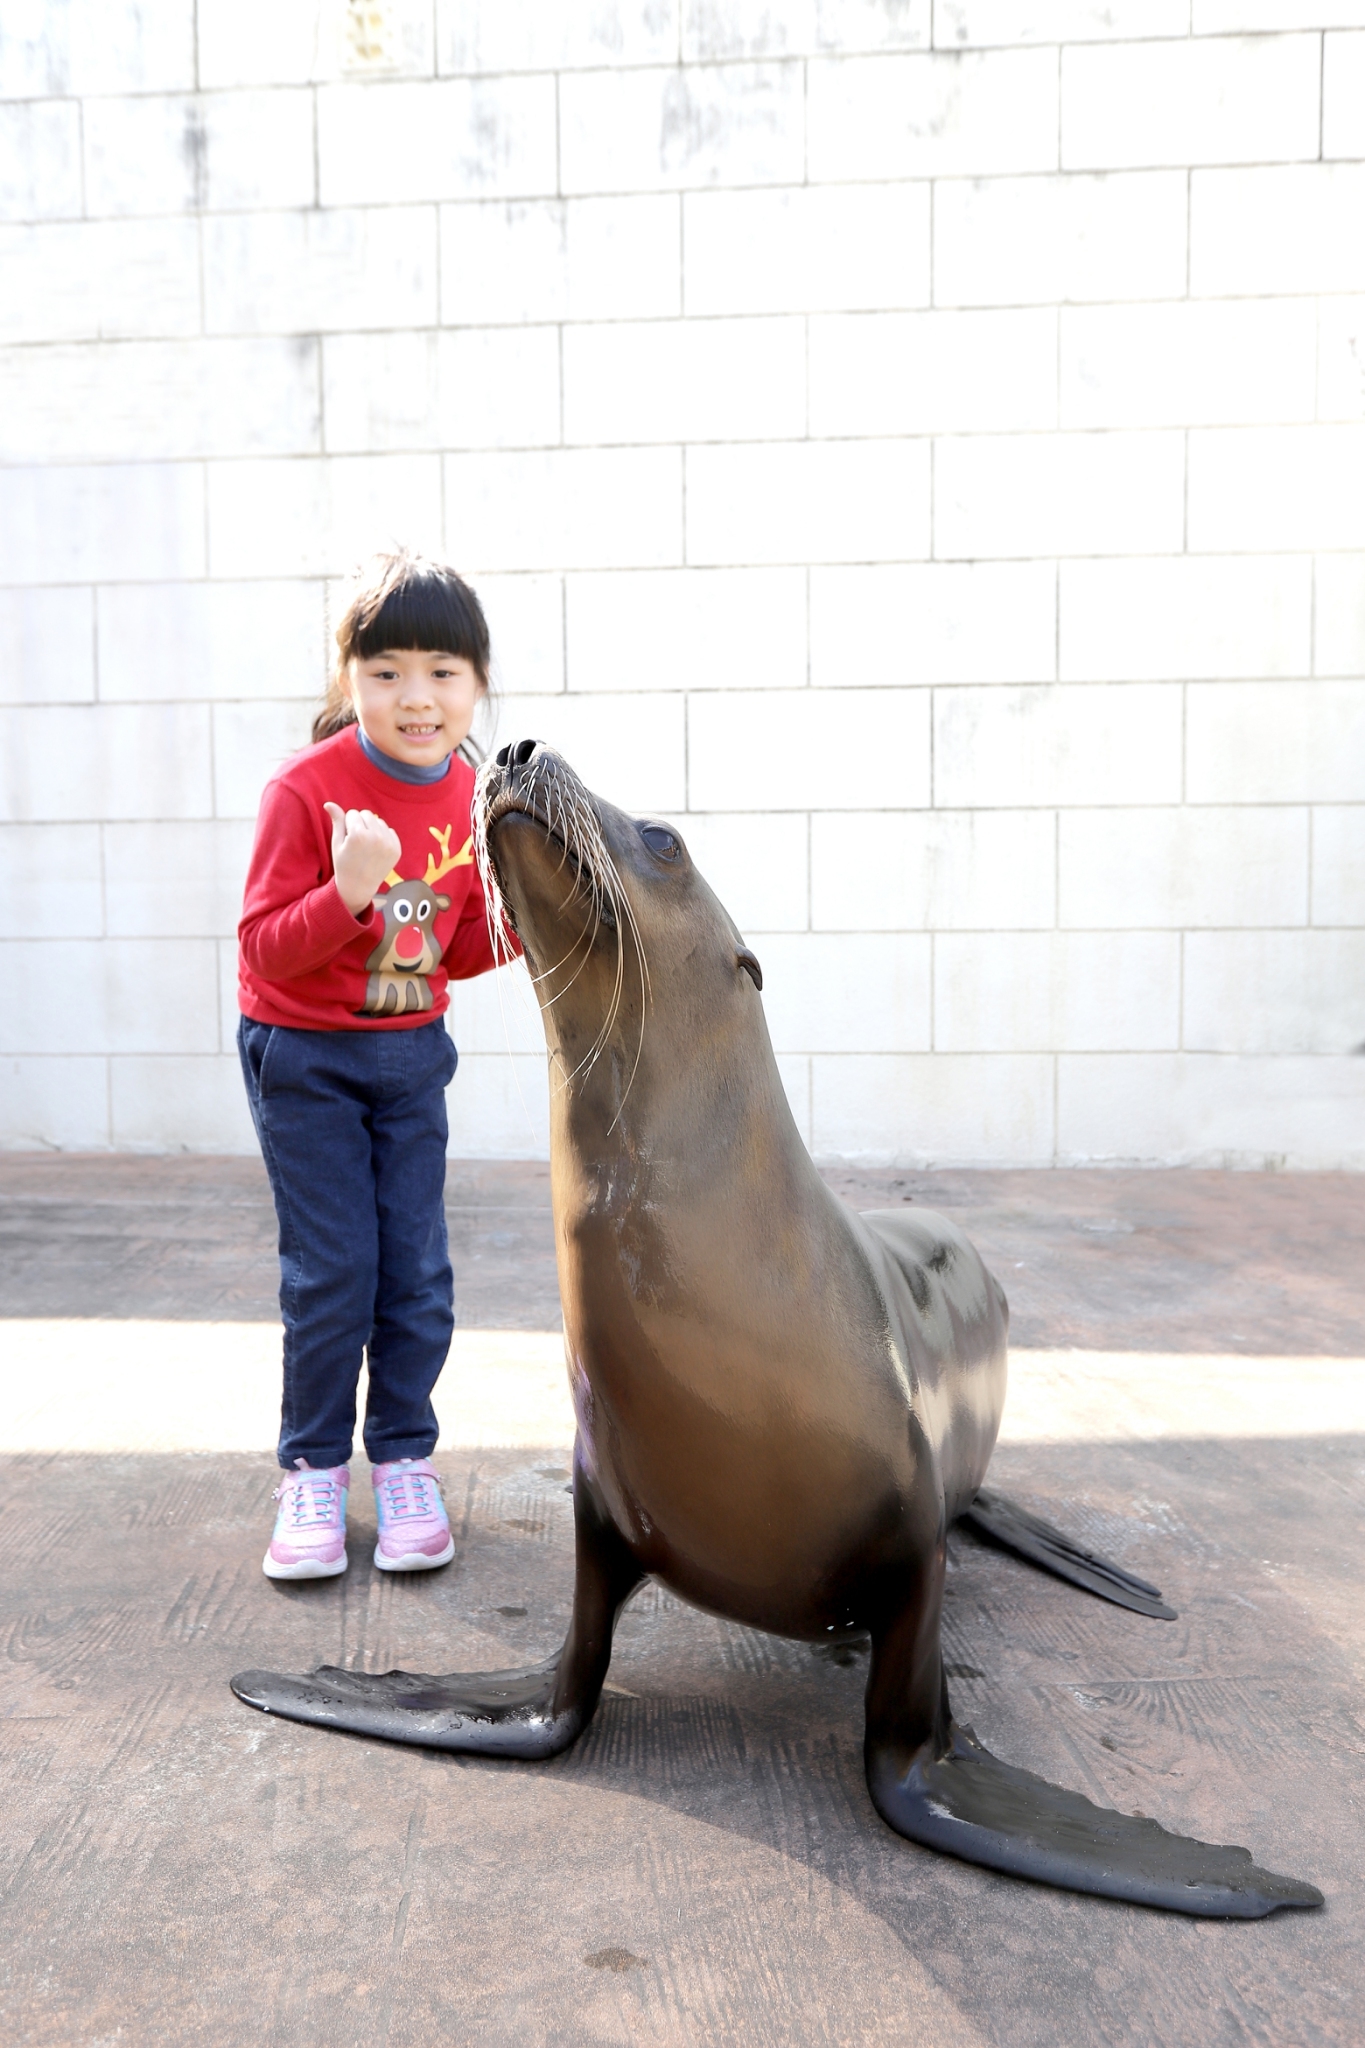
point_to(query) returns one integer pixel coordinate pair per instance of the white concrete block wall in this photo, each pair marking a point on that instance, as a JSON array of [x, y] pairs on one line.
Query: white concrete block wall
[[916, 446]]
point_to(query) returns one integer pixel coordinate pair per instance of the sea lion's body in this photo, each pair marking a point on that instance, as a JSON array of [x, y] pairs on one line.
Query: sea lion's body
[[782, 1406]]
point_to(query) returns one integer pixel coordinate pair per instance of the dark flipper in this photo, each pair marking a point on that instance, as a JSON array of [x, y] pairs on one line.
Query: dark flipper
[[1037, 1542], [933, 1782], [969, 1804], [527, 1714]]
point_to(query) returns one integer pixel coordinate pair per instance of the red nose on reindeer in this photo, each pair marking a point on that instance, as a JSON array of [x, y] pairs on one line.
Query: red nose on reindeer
[[408, 942]]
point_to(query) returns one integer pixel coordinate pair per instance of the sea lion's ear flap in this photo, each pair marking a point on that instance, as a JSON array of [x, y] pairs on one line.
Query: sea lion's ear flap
[[749, 962]]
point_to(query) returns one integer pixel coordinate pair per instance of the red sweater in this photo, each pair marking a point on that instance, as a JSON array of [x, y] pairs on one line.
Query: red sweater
[[308, 961]]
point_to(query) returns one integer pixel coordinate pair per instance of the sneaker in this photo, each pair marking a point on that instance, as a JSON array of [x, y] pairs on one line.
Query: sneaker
[[414, 1529], [310, 1529]]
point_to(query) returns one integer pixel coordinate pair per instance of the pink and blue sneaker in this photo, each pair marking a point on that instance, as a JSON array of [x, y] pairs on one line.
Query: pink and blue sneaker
[[310, 1529], [414, 1529]]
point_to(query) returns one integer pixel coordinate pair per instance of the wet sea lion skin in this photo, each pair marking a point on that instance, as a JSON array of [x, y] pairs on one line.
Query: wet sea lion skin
[[781, 1405]]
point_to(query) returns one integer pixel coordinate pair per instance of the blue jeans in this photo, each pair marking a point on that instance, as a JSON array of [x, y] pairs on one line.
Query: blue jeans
[[352, 1125]]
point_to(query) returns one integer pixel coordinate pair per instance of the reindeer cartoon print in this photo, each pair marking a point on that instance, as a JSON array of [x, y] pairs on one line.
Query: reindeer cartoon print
[[407, 951]]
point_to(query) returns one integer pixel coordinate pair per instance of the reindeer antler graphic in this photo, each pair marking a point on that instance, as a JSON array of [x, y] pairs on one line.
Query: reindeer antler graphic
[[463, 859]]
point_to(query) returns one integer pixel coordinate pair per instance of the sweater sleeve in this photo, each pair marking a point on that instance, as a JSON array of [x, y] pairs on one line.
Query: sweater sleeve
[[470, 951], [293, 918]]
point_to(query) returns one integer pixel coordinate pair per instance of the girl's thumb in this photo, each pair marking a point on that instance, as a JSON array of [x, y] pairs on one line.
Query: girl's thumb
[[338, 818]]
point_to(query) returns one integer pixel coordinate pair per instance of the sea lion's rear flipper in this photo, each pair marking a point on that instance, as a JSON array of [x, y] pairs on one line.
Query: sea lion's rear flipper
[[968, 1803], [528, 1714], [1038, 1542]]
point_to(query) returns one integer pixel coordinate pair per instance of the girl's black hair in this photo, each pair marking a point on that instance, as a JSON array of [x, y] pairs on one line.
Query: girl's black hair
[[401, 600]]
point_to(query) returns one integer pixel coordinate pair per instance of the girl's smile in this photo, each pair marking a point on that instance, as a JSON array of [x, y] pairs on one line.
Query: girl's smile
[[414, 704]]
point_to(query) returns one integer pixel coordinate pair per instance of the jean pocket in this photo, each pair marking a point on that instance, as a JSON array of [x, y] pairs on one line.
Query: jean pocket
[[257, 1044]]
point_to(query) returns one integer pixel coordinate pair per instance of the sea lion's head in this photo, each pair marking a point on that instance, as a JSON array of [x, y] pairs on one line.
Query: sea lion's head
[[613, 916]]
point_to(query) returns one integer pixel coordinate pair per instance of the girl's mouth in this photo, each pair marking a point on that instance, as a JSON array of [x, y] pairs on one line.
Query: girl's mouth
[[419, 733]]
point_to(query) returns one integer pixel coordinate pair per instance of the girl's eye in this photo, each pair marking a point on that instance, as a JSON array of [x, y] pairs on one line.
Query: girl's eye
[[402, 910], [423, 912], [660, 841]]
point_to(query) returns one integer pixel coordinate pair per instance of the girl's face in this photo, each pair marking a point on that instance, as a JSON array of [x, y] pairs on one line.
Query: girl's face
[[415, 706]]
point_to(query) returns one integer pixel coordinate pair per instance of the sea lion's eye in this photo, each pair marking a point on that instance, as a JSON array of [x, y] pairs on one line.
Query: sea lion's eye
[[661, 841]]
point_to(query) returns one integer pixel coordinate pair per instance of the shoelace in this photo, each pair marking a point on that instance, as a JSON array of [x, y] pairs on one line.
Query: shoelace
[[309, 1499], [407, 1495]]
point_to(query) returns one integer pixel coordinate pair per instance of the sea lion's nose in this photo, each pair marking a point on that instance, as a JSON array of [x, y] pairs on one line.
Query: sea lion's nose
[[516, 756]]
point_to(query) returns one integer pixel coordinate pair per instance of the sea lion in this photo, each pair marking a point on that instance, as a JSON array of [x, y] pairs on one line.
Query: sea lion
[[782, 1406]]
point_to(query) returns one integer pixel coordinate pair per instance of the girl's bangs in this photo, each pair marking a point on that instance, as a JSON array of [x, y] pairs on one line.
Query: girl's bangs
[[431, 614]]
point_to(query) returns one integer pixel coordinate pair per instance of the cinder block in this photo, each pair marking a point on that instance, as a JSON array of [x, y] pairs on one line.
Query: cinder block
[[627, 749], [1059, 494], [848, 25], [460, 138], [663, 130], [1275, 992], [526, 625], [499, 1107], [47, 646], [1339, 615], [1177, 869], [496, 1013], [832, 501], [179, 1104], [807, 750], [1343, 95], [1339, 865], [58, 1104], [88, 761], [1186, 617], [1341, 358], [117, 521], [681, 629], [1057, 992], [314, 517], [168, 641], [833, 992], [256, 42], [1274, 743], [1221, 17], [1200, 1110], [1277, 487], [139, 401], [330, 269], [51, 881], [757, 865], [958, 24], [685, 380], [75, 47], [544, 35], [1037, 241], [810, 248], [144, 995], [1224, 101], [1282, 228], [933, 1109], [189, 152], [933, 870], [1235, 362], [250, 741], [716, 30], [933, 373], [934, 622], [1067, 743], [573, 508], [941, 115], [492, 387], [40, 160], [99, 280], [558, 259], [174, 881]]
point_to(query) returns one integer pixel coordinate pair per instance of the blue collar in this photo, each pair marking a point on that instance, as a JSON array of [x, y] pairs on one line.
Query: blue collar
[[402, 771]]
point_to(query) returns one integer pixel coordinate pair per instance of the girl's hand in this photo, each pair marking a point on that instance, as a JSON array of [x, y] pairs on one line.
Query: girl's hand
[[364, 851]]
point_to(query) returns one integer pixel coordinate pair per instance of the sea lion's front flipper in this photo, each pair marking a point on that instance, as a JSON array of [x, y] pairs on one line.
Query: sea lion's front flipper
[[968, 1803], [527, 1714], [1038, 1542]]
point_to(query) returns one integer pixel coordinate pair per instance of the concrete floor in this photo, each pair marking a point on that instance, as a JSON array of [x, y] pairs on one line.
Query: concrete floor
[[705, 1866]]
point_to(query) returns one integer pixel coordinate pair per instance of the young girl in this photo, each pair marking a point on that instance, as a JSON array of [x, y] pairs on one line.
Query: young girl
[[362, 901]]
